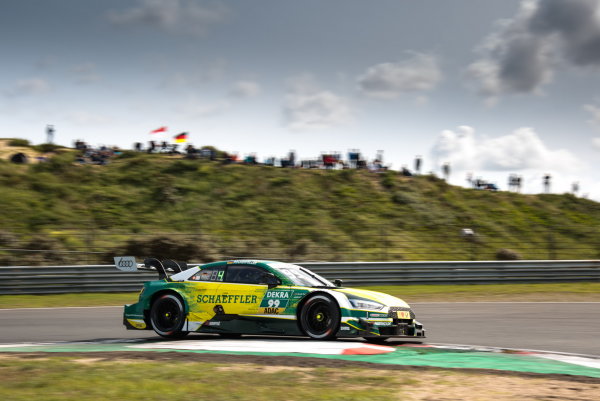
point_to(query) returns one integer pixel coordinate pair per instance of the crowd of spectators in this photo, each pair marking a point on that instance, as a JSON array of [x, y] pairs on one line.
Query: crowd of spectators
[[101, 155], [89, 155]]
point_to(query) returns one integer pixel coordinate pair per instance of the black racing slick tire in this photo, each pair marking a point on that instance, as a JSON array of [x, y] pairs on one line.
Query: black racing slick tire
[[167, 316], [320, 317]]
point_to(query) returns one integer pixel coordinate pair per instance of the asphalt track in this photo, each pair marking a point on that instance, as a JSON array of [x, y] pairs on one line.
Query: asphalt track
[[559, 327]]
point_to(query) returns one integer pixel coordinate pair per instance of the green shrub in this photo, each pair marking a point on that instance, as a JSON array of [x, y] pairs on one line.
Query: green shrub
[[388, 179], [18, 142], [280, 181], [47, 147], [177, 248], [507, 254]]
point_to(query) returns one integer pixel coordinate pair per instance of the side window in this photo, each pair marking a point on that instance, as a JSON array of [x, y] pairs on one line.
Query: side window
[[210, 274], [245, 274]]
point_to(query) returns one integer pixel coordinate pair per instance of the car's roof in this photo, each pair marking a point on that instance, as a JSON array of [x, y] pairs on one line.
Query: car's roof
[[259, 262]]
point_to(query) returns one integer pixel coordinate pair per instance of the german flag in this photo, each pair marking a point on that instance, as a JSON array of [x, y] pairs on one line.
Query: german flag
[[181, 137]]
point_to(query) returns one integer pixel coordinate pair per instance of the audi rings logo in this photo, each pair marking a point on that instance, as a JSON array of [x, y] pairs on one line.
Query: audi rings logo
[[125, 263]]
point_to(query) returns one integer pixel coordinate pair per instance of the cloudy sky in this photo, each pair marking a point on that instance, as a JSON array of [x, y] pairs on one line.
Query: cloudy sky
[[493, 88]]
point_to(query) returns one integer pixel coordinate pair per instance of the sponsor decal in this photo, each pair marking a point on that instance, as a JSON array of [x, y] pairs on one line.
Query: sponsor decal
[[378, 315], [137, 323], [226, 299], [276, 299], [403, 314]]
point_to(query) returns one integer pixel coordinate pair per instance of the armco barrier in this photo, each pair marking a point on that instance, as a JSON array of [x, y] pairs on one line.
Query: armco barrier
[[106, 278]]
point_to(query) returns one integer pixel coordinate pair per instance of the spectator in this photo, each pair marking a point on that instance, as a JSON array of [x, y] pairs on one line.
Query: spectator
[[446, 170], [418, 161], [353, 158]]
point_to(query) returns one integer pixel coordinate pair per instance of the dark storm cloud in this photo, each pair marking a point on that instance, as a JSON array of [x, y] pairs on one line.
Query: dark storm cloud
[[522, 55], [576, 22]]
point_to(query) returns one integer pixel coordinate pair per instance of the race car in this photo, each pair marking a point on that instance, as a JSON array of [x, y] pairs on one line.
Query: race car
[[238, 297]]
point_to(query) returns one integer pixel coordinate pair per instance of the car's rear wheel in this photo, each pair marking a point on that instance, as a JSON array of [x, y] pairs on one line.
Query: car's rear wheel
[[167, 316], [320, 317]]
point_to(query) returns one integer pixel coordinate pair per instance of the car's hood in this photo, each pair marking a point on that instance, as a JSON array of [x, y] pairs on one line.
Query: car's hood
[[380, 297]]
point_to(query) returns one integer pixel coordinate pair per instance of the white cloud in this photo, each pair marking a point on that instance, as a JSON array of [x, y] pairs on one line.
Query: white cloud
[[26, 87], [317, 110], [596, 142], [595, 113], [307, 107], [522, 54], [179, 16], [86, 73], [244, 89], [389, 80], [521, 150]]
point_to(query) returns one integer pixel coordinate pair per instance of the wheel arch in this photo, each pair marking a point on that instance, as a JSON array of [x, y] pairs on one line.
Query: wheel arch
[[328, 294], [160, 293]]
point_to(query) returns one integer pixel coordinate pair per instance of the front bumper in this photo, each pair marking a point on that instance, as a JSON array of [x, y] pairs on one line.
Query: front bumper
[[397, 322], [399, 328]]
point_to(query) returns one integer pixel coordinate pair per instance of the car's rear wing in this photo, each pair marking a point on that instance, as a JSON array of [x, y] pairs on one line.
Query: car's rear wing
[[179, 270]]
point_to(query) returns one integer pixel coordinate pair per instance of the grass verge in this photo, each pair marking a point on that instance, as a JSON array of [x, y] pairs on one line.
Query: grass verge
[[547, 292], [65, 300], [553, 292], [92, 377]]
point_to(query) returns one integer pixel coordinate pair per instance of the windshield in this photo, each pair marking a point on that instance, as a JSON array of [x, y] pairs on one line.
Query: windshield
[[301, 276]]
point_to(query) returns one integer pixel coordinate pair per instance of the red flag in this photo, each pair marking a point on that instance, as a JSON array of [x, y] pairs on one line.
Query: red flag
[[161, 129], [181, 137]]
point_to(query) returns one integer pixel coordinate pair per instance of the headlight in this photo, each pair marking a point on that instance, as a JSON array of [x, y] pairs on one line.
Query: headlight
[[364, 304]]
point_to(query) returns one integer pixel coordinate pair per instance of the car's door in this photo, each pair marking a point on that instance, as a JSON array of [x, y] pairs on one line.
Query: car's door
[[243, 289], [204, 291]]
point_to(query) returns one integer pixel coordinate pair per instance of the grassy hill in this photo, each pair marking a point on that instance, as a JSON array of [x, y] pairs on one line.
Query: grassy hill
[[63, 212]]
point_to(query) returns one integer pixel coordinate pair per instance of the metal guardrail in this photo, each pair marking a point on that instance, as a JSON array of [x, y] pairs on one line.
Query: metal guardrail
[[106, 278]]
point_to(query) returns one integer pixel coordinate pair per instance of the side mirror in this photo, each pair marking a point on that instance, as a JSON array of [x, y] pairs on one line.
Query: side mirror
[[337, 282], [271, 280]]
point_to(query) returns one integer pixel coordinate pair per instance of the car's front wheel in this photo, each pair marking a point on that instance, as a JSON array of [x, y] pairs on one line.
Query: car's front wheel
[[167, 316], [320, 317]]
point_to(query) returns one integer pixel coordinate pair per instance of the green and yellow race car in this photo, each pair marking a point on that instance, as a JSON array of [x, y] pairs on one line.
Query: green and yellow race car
[[237, 297]]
